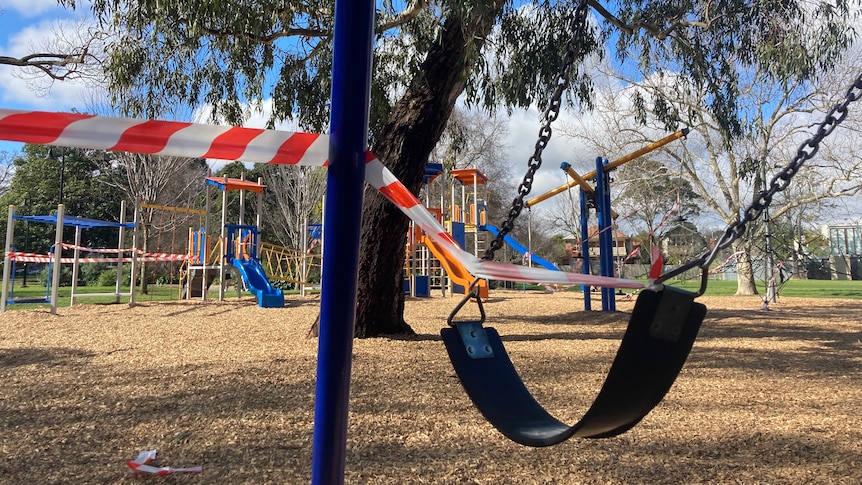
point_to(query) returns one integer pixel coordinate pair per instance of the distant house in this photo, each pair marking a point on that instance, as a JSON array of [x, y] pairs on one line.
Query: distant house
[[682, 243]]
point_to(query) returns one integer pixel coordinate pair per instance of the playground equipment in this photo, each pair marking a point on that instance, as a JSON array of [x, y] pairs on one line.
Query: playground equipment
[[599, 198], [290, 265], [663, 325], [467, 225], [424, 272], [55, 259], [239, 248]]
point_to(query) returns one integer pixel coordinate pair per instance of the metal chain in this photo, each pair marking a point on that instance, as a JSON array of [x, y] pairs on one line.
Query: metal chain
[[778, 183], [578, 27]]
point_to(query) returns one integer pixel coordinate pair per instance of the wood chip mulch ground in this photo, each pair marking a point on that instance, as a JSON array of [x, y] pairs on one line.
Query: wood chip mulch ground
[[766, 397]]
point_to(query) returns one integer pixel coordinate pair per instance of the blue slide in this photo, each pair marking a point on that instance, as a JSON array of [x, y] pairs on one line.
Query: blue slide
[[521, 249], [256, 281]]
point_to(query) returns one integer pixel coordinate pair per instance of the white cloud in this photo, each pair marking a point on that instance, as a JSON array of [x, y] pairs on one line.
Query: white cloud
[[524, 132], [28, 8]]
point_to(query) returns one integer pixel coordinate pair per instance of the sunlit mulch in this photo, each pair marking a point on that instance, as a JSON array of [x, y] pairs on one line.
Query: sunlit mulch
[[766, 397]]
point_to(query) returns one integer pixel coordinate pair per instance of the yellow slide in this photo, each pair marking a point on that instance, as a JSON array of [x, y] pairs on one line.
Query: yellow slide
[[456, 271]]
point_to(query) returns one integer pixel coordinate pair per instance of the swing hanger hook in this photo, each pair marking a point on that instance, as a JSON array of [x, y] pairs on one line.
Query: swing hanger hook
[[472, 292]]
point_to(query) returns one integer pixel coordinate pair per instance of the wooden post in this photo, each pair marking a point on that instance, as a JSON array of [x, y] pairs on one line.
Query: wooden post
[[7, 261], [58, 253]]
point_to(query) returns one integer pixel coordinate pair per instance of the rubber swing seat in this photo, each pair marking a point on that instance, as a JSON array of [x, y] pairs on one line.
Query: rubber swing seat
[[660, 334]]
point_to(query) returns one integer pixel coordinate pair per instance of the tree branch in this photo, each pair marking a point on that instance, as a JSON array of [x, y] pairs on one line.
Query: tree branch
[[653, 30], [414, 8], [52, 64], [263, 39]]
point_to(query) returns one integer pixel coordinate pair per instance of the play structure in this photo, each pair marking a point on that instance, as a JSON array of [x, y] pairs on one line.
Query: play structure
[[428, 266], [663, 325], [237, 248], [163, 230], [598, 197]]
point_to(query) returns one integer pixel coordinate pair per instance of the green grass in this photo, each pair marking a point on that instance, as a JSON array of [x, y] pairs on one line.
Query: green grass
[[851, 290], [154, 293]]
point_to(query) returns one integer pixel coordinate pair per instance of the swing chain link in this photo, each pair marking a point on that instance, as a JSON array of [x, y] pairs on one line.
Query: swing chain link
[[573, 52], [778, 183]]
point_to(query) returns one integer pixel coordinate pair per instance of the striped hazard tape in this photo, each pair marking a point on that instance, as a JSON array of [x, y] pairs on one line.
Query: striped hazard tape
[[140, 465], [260, 146], [47, 258]]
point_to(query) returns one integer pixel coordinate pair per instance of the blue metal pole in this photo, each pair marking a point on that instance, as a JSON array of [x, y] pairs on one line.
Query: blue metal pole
[[603, 212], [609, 241], [351, 87], [585, 247]]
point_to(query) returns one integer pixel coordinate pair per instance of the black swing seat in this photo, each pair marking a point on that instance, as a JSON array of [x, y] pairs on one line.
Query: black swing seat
[[656, 344]]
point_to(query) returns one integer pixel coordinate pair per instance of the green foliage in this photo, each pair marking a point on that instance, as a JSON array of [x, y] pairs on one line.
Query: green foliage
[[225, 53], [108, 277], [90, 273], [46, 278], [35, 190]]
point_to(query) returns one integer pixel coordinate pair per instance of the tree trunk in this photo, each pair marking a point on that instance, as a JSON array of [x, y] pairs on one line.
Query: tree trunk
[[405, 143], [744, 270]]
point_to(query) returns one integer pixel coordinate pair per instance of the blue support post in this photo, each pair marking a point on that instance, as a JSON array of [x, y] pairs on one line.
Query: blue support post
[[351, 87], [606, 236], [585, 247]]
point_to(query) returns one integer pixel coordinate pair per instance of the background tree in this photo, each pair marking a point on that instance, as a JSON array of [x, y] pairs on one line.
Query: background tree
[[293, 198], [35, 190], [722, 170], [651, 192], [73, 52], [159, 180], [7, 170]]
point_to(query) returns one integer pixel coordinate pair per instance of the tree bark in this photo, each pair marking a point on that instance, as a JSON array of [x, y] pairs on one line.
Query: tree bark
[[405, 143], [745, 285]]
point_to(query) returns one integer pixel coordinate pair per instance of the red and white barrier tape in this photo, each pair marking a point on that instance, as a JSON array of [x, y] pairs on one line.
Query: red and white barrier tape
[[725, 263], [635, 252], [140, 252], [657, 263], [140, 465], [47, 258], [260, 146]]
